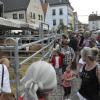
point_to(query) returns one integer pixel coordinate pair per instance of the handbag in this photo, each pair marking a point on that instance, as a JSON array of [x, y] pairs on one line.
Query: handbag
[[4, 95]]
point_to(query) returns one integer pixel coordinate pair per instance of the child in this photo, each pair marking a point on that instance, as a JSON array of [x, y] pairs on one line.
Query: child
[[67, 77], [56, 61]]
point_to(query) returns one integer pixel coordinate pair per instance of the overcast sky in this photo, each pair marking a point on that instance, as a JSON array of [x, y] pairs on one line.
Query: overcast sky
[[85, 7]]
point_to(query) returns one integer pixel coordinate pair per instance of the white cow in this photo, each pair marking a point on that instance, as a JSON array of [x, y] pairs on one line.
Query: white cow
[[40, 76]]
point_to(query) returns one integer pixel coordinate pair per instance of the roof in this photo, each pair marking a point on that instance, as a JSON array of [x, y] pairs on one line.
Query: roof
[[15, 5], [44, 7], [94, 17], [1, 3], [56, 2]]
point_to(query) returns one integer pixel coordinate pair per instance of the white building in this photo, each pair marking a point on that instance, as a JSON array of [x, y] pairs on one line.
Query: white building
[[94, 22], [24, 10], [58, 11]]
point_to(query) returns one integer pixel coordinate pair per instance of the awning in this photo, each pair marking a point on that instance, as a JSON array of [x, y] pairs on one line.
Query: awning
[[5, 23], [11, 24], [24, 25]]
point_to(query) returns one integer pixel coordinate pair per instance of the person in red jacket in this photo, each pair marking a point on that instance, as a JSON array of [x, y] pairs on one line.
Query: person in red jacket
[[56, 61]]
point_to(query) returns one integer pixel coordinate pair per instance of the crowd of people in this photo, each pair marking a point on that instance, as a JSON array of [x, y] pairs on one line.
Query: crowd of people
[[77, 52]]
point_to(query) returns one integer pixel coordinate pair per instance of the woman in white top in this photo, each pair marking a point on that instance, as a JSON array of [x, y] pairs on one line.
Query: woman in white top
[[6, 81], [4, 63], [80, 65]]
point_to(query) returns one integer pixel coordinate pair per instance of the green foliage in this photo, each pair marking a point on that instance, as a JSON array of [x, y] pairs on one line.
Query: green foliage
[[62, 28]]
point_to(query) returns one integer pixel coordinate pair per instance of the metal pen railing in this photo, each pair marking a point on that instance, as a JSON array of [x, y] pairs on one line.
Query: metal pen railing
[[16, 47]]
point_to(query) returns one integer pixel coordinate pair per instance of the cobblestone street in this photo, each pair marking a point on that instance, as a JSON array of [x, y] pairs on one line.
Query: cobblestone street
[[58, 93]]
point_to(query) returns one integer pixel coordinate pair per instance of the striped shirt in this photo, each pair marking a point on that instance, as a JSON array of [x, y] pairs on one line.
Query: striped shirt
[[68, 55]]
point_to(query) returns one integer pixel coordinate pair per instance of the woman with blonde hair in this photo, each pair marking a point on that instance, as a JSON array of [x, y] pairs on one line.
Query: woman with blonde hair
[[3, 59], [90, 75]]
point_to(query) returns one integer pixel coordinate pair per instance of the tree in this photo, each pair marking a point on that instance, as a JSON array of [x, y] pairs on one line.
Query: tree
[[62, 28]]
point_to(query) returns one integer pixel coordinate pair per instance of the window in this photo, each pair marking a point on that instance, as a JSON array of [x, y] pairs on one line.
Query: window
[[61, 21], [15, 16], [53, 12], [60, 11], [54, 22], [39, 17], [33, 15], [93, 28], [21, 16]]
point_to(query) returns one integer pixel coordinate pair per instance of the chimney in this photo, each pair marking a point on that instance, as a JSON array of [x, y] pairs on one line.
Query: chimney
[[43, 1], [96, 12], [60, 1]]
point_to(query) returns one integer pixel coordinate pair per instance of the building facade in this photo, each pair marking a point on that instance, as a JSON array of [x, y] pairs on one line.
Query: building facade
[[94, 22], [29, 11], [58, 12]]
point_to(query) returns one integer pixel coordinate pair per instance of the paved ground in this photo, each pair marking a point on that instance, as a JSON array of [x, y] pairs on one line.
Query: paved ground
[[58, 93]]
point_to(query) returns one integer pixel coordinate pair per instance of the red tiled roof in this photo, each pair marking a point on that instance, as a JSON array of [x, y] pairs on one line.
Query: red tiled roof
[[44, 7]]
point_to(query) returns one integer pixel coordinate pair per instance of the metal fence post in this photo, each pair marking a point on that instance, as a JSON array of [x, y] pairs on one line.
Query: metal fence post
[[17, 67], [41, 35], [16, 63]]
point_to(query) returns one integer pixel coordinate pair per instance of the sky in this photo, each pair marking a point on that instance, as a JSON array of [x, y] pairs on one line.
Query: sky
[[85, 7]]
